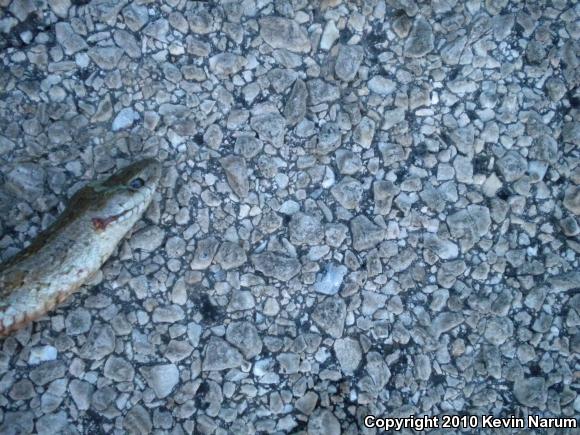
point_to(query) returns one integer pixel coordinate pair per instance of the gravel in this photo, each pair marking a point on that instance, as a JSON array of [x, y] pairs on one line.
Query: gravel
[[366, 208]]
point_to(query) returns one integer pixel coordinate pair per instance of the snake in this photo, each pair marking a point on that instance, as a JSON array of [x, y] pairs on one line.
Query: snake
[[60, 259]]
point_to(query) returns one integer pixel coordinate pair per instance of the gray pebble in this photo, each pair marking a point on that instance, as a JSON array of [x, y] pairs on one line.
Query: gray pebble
[[220, 355], [161, 378], [421, 40], [226, 63], [237, 174], [330, 281], [572, 199], [323, 422], [205, 251], [66, 36], [271, 127], [512, 166], [245, 337], [230, 255], [295, 106], [119, 369], [348, 192], [125, 119], [137, 421], [248, 146], [365, 234], [330, 315], [348, 62], [100, 342], [348, 353], [278, 266], [47, 372], [305, 229], [81, 392], [281, 32], [531, 391]]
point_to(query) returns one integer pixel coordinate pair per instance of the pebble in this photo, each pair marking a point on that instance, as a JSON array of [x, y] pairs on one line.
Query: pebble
[[270, 127], [383, 193], [512, 166], [100, 342], [348, 162], [329, 35], [570, 226], [178, 350], [330, 281], [444, 249], [161, 378], [324, 422], [330, 315], [22, 390], [106, 58], [321, 91], [445, 322], [125, 119], [226, 63], [289, 363], [245, 337], [230, 255], [137, 420], [278, 266], [42, 353], [348, 192], [248, 146], [469, 225], [498, 330], [392, 118], [52, 423], [423, 367], [307, 403], [25, 179], [70, 41], [220, 355], [296, 103], [148, 239], [382, 85], [284, 33], [47, 372], [60, 7], [237, 174], [348, 62], [168, 314], [305, 229], [136, 16], [349, 354], [157, 29], [572, 199], [205, 251], [81, 392], [421, 40], [365, 234], [531, 391]]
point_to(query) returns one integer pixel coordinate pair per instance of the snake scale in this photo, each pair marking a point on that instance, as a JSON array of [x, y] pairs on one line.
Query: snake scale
[[62, 257]]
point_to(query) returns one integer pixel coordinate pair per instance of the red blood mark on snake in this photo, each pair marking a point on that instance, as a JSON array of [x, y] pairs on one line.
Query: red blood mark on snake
[[101, 223]]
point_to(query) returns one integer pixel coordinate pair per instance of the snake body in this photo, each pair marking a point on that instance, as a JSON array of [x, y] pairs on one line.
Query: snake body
[[62, 257]]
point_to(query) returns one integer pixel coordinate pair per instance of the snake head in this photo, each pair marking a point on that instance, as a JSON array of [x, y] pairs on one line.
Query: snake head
[[125, 194]]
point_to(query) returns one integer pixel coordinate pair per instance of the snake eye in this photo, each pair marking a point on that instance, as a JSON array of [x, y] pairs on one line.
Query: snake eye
[[137, 183]]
